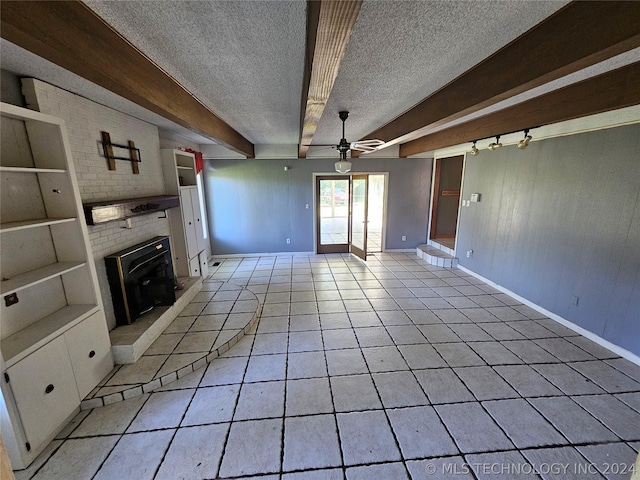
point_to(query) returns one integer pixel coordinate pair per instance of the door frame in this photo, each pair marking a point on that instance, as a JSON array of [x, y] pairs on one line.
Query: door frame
[[435, 180], [336, 174], [337, 247]]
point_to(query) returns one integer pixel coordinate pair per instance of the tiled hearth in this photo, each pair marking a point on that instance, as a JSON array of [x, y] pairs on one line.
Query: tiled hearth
[[390, 370], [217, 317]]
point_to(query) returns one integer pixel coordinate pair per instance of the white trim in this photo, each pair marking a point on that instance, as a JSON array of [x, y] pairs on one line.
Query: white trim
[[399, 250], [632, 357]]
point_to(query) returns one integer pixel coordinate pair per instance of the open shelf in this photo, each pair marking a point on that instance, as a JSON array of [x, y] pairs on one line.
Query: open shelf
[[31, 170], [19, 345], [39, 275], [39, 222]]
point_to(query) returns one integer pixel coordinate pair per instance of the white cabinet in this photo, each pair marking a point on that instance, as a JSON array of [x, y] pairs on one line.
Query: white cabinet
[[49, 285], [89, 349], [44, 390], [188, 244]]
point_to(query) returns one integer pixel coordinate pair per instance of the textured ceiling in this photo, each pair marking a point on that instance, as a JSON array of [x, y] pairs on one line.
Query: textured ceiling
[[245, 59], [400, 52]]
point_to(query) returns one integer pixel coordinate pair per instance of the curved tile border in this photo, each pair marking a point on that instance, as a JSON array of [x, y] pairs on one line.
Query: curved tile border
[[173, 376]]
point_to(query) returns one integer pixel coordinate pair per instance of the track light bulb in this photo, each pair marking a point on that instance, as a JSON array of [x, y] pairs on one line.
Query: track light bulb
[[495, 145], [474, 150], [524, 143]]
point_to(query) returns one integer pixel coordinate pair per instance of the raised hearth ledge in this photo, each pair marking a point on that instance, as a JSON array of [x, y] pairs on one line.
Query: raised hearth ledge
[[95, 402], [129, 342]]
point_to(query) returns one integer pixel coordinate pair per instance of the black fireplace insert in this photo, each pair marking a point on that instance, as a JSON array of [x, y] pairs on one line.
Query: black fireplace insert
[[141, 277]]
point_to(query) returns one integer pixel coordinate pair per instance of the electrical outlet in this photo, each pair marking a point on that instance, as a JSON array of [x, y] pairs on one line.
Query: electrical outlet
[[288, 241], [404, 238], [469, 253]]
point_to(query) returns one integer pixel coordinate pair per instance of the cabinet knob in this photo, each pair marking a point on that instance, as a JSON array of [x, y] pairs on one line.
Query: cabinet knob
[[49, 388], [92, 353], [189, 223]]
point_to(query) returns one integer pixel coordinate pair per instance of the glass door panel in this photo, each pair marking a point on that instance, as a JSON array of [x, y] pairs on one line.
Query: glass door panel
[[375, 213], [332, 210], [359, 212]]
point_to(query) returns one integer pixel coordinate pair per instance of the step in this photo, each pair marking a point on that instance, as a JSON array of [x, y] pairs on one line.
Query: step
[[444, 248], [435, 256]]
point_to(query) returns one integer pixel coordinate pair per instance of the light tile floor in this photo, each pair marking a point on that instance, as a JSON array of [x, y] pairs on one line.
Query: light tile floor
[[388, 370]]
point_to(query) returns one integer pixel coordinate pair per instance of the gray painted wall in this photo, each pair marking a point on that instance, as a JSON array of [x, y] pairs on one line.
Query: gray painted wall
[[559, 220], [254, 205]]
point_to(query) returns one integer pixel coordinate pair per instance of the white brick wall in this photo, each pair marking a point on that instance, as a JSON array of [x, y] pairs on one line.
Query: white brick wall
[[85, 120]]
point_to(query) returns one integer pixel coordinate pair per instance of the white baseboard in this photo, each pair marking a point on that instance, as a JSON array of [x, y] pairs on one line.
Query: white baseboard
[[632, 357], [265, 254]]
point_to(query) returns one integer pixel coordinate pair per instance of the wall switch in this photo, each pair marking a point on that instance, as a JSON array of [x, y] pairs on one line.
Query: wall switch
[[288, 241], [404, 238], [306, 206], [469, 253], [574, 300]]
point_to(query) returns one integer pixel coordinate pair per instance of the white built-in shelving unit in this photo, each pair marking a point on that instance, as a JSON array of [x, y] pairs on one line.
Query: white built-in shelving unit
[[187, 234], [54, 342]]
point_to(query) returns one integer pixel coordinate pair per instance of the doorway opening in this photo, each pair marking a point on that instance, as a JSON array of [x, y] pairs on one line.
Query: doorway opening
[[445, 202], [350, 213]]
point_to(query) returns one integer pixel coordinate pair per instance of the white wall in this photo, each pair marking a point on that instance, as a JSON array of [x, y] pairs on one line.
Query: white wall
[[85, 120]]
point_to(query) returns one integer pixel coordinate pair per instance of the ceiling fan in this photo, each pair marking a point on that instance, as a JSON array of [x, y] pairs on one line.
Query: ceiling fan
[[366, 146]]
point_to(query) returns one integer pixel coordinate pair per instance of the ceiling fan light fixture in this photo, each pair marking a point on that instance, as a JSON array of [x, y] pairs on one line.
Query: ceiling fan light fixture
[[474, 150], [524, 143], [495, 145], [343, 166]]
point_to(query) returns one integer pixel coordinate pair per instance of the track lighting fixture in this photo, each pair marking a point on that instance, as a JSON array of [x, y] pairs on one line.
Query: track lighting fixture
[[524, 143], [495, 145], [474, 150]]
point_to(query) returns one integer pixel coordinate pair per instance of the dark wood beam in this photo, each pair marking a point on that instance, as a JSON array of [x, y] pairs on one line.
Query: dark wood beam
[[608, 91], [329, 26], [577, 36], [71, 35]]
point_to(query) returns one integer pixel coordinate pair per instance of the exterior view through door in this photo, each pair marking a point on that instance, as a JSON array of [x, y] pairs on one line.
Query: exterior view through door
[[350, 213]]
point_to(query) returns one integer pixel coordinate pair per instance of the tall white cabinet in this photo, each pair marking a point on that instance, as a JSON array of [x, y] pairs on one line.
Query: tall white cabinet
[[54, 342], [187, 235]]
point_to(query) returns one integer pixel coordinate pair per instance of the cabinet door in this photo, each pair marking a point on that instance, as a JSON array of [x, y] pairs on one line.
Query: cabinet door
[[44, 390], [197, 215], [194, 266], [189, 221], [90, 352], [204, 266]]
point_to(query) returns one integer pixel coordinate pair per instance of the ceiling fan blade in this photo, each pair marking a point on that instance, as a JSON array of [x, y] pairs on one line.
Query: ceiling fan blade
[[366, 146]]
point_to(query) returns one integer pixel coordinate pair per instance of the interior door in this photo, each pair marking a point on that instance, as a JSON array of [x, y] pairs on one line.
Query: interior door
[[359, 215]]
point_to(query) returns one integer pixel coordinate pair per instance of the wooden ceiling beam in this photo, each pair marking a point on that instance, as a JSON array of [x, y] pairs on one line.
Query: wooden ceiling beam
[[577, 36], [329, 26], [606, 92], [71, 35]]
